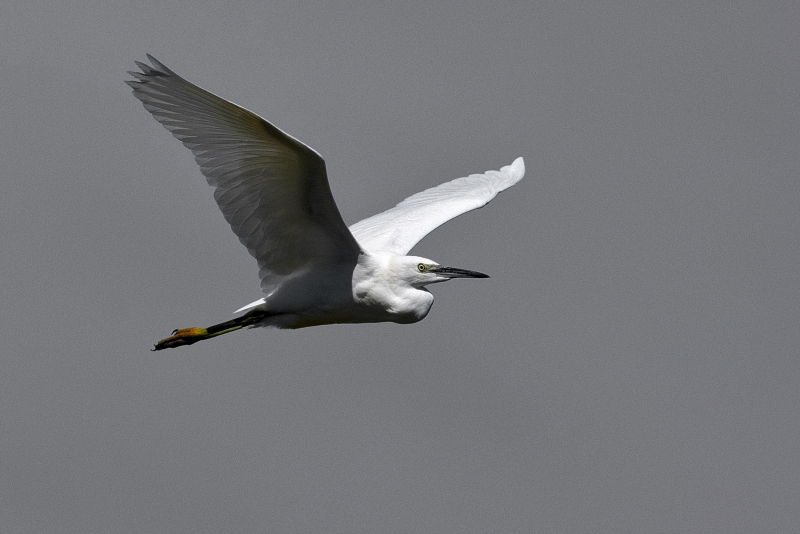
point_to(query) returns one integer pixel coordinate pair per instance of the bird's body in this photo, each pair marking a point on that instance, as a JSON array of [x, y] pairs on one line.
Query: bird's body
[[370, 291], [274, 192]]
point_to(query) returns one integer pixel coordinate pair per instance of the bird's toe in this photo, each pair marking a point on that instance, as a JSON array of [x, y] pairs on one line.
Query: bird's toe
[[182, 336]]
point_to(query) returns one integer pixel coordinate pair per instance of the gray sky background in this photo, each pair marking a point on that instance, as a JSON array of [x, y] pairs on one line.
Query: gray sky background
[[631, 366]]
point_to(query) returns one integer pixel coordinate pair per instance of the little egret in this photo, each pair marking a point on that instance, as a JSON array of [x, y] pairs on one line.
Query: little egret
[[273, 190]]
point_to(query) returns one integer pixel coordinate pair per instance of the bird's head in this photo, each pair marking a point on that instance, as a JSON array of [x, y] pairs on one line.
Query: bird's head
[[420, 272]]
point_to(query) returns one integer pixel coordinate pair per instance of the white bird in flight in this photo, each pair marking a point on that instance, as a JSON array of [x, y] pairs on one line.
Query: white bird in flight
[[274, 192]]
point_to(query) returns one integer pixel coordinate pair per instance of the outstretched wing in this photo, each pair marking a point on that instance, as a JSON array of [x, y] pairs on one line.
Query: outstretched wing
[[271, 188], [400, 228]]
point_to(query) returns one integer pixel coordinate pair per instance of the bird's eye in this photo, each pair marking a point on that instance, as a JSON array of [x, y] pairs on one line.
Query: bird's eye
[[422, 267]]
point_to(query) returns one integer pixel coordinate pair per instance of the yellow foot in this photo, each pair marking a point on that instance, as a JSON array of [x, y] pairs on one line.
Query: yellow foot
[[182, 336]]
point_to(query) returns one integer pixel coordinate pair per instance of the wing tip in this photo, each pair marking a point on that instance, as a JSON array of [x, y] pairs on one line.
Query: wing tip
[[149, 71], [515, 171], [517, 167]]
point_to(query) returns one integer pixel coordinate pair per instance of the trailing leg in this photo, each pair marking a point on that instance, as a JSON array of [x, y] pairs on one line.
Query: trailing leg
[[189, 336]]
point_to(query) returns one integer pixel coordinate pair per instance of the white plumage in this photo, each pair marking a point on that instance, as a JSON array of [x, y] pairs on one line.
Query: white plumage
[[274, 192]]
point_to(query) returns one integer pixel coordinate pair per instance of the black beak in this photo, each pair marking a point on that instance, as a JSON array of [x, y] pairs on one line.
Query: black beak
[[452, 272]]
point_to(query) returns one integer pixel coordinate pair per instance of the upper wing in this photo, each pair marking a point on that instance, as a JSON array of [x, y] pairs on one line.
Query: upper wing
[[271, 188], [400, 228]]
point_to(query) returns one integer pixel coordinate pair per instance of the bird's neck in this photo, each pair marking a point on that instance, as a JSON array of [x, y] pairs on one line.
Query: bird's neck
[[378, 285]]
